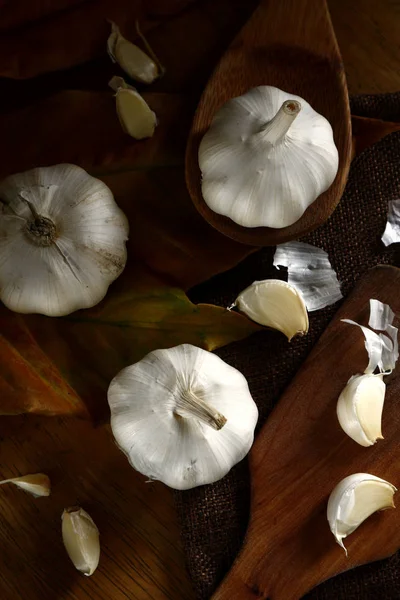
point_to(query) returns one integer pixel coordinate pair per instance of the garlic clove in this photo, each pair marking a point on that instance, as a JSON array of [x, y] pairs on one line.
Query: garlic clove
[[136, 117], [355, 499], [360, 406], [37, 484], [81, 539], [276, 304], [136, 63]]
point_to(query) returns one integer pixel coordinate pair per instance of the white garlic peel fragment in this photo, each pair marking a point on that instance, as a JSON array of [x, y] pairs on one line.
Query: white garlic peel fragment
[[81, 539], [275, 304], [310, 272], [360, 406], [182, 416], [355, 499], [62, 240], [136, 117], [37, 484], [266, 157], [136, 63], [391, 235], [382, 348]]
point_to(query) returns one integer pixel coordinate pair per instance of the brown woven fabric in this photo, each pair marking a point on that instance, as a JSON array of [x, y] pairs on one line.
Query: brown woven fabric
[[214, 518]]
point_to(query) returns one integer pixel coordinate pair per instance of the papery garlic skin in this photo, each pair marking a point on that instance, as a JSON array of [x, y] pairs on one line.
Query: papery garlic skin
[[64, 258], [136, 63], [135, 115], [37, 484], [81, 539], [266, 157], [360, 406], [182, 416], [276, 304], [353, 500]]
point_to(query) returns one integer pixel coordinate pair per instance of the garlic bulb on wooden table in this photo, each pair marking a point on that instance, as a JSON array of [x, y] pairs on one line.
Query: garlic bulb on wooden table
[[266, 157], [62, 240], [182, 416]]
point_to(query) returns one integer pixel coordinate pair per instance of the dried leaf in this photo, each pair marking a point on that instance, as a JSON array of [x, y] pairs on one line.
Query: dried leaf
[[90, 347]]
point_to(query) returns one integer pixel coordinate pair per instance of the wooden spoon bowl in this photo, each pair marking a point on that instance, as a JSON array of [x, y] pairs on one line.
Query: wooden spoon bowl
[[290, 45], [301, 453]]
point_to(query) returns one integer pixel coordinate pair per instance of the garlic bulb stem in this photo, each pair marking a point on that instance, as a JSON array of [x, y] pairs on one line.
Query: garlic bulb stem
[[278, 127], [189, 405]]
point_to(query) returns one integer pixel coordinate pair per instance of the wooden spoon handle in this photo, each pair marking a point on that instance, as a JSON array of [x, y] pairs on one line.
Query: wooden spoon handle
[[295, 23]]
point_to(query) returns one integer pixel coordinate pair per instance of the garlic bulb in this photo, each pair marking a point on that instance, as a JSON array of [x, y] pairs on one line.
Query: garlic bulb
[[62, 240], [182, 416], [355, 499], [131, 58], [266, 157], [37, 484], [81, 539], [135, 115], [360, 406], [275, 304]]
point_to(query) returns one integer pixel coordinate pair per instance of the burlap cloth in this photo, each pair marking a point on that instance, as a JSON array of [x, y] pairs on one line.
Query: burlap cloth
[[214, 517]]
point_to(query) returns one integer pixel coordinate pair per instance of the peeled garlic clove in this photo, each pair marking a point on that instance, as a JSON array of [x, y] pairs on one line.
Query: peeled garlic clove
[[81, 539], [275, 304], [136, 63], [136, 117], [355, 499], [37, 484], [360, 406]]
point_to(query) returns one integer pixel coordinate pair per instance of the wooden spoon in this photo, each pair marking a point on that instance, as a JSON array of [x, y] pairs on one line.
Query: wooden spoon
[[301, 453], [290, 45]]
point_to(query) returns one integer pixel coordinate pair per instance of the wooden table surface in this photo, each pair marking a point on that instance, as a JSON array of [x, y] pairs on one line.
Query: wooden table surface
[[367, 33]]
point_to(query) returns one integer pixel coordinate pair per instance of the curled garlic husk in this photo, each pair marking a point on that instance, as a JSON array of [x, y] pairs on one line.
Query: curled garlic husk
[[276, 304], [310, 272], [81, 539], [182, 416], [266, 157], [136, 63], [62, 240], [355, 499], [37, 484], [360, 406], [135, 115]]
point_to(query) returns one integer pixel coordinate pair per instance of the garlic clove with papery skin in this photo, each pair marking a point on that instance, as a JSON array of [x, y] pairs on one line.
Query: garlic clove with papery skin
[[275, 304], [266, 157], [136, 63], [182, 416], [353, 500], [136, 117], [81, 539], [62, 240], [37, 484], [360, 406]]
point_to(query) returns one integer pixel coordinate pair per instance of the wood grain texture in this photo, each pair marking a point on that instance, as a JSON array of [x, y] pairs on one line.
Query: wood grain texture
[[87, 469], [290, 45], [142, 556], [301, 453]]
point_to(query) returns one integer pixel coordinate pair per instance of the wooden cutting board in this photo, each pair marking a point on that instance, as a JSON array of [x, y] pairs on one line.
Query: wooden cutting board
[[301, 454]]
